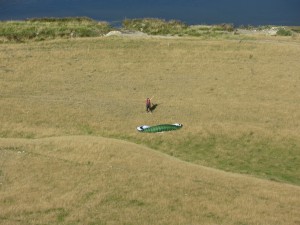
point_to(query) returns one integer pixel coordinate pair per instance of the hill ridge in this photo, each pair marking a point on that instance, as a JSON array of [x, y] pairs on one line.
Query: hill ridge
[[158, 153], [113, 180]]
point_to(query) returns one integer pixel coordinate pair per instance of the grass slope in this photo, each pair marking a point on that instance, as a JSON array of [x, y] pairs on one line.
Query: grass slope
[[93, 180], [237, 99]]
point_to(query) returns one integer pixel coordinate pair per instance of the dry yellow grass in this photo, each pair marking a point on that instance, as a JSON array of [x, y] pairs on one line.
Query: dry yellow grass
[[93, 180], [103, 81], [231, 94], [237, 99]]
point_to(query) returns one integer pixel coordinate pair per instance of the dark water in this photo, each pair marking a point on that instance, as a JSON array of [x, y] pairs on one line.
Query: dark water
[[238, 12]]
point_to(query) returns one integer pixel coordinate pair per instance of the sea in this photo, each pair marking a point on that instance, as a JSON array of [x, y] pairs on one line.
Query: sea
[[191, 12]]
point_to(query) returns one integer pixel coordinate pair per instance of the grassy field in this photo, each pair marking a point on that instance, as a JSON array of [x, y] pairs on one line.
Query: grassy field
[[70, 152]]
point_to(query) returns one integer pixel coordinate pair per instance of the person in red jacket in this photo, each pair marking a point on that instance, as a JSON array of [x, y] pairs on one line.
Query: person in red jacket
[[148, 104]]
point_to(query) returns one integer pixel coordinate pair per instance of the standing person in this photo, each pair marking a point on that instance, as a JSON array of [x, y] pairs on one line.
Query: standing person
[[148, 104]]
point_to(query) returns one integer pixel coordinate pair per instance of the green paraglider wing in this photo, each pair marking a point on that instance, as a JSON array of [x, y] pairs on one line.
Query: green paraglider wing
[[159, 128]]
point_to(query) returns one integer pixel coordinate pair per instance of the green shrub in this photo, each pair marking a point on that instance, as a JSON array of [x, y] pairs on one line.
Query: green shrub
[[284, 32]]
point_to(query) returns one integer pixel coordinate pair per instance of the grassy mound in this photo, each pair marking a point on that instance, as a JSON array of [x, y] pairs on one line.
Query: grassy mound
[[92, 180], [50, 28], [155, 26]]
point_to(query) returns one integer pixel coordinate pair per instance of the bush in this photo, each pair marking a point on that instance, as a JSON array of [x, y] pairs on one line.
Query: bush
[[284, 32]]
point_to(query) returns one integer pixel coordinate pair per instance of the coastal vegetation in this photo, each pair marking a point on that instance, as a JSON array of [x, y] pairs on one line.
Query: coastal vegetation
[[38, 29]]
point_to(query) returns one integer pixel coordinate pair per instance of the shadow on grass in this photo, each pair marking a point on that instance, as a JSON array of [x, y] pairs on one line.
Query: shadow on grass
[[153, 107]]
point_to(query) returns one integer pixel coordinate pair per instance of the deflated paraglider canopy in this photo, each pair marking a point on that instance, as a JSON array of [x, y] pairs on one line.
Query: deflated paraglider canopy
[[159, 128]]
